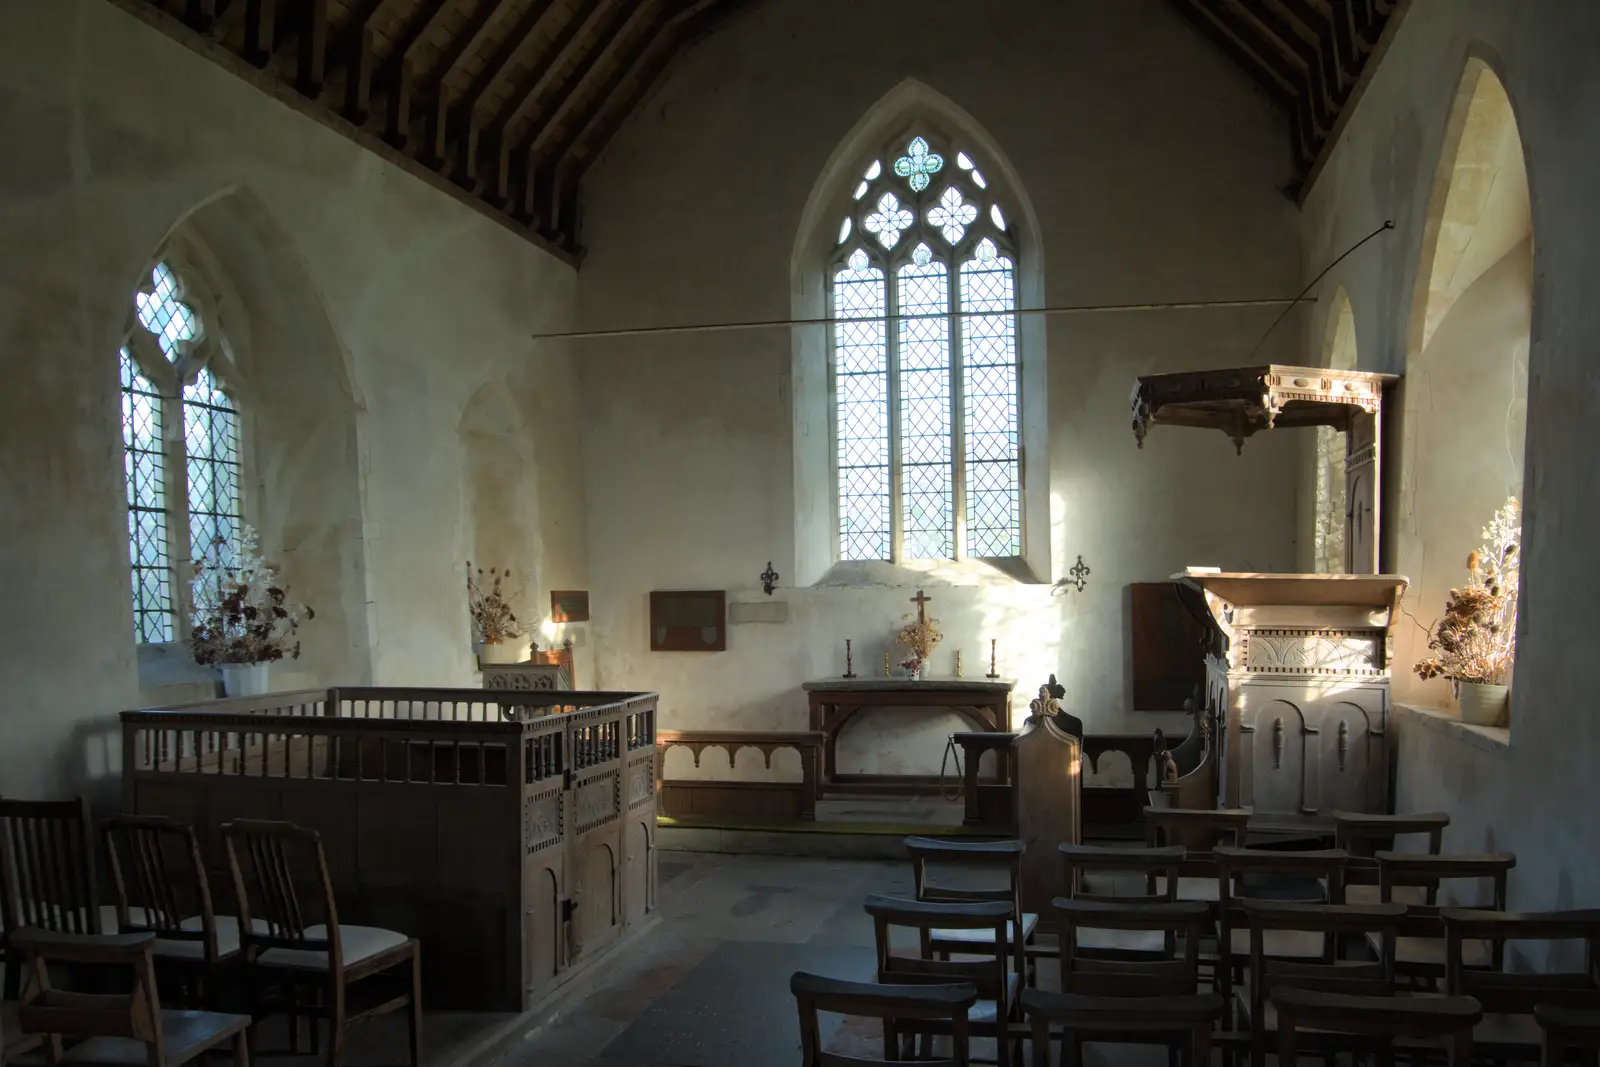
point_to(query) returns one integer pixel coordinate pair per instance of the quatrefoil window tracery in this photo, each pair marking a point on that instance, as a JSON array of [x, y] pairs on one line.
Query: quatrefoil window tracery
[[918, 165], [952, 215], [162, 313], [889, 220]]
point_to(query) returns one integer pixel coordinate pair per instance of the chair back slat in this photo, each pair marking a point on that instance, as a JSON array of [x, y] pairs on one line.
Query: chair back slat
[[278, 869], [1363, 835], [1150, 863], [1331, 972], [58, 1013], [47, 876], [1504, 992], [947, 1003], [1380, 1017], [1002, 858], [160, 879], [988, 964]]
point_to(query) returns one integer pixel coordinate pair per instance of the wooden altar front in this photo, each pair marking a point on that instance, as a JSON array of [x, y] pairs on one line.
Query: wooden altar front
[[1297, 677], [985, 703]]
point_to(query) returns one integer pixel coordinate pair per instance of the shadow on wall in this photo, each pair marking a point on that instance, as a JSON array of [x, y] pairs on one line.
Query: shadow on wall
[[1464, 396]]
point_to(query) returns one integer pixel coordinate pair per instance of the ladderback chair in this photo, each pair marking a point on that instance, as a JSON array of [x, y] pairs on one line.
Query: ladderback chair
[[996, 865], [1328, 927], [1420, 950], [1364, 1021], [1200, 831], [161, 886], [47, 873], [1114, 875], [993, 965], [944, 1005], [1509, 997], [118, 1028], [1363, 836], [281, 884], [1187, 1020], [1314, 877]]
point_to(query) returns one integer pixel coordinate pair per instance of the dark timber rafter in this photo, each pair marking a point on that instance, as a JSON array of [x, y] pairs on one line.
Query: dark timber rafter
[[464, 122]]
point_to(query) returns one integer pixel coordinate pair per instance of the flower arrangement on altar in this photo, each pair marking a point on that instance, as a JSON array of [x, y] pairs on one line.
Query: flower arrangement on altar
[[493, 621], [918, 637], [242, 612], [1476, 641]]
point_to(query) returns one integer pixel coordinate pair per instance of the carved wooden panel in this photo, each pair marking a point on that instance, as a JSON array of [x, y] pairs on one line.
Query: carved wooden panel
[[529, 676], [1313, 651], [595, 801], [542, 824], [1362, 489], [641, 782], [1311, 749]]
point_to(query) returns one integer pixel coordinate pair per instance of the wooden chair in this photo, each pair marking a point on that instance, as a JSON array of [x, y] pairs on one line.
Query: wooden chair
[[1420, 950], [119, 1028], [945, 1005], [161, 887], [1378, 1020], [1327, 927], [1002, 860], [1199, 831], [1508, 1030], [47, 875], [1153, 1020], [993, 965], [1092, 874], [1563, 1028], [1096, 986], [284, 949], [1363, 836], [1319, 878]]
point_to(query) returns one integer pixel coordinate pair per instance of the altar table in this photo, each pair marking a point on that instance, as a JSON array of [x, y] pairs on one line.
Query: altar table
[[983, 702]]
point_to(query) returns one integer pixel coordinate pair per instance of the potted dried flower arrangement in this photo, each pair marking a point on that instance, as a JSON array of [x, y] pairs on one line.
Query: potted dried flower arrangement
[[500, 637], [242, 618], [1475, 644], [918, 637]]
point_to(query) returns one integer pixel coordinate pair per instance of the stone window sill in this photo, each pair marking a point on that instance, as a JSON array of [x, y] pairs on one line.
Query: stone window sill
[[972, 572], [1495, 740]]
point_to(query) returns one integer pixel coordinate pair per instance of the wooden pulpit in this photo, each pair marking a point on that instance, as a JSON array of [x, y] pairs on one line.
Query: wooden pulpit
[[1297, 678]]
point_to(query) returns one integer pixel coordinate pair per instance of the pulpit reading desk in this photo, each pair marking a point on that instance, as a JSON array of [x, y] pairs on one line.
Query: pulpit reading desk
[[985, 703]]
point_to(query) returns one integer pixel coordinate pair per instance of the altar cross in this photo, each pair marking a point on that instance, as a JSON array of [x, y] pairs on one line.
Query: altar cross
[[920, 600]]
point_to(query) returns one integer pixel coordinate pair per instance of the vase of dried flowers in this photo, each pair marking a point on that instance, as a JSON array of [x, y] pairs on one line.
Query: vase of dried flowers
[[1475, 644], [500, 637], [243, 620], [918, 637]]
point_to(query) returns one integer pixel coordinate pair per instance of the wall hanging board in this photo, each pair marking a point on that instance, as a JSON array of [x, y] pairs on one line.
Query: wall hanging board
[[688, 621], [1168, 648], [569, 605]]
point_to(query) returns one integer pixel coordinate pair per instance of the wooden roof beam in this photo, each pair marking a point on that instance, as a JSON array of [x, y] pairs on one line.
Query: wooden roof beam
[[431, 89], [1315, 55], [1283, 91], [544, 68], [465, 121], [412, 32]]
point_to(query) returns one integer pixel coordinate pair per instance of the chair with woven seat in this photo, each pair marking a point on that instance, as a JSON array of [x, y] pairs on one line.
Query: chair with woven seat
[[1326, 970], [1364, 1022], [1420, 950], [1363, 836], [1000, 860], [122, 1029], [280, 878], [161, 886], [1247, 874], [993, 965], [1509, 1030], [946, 1005], [47, 874], [1114, 875]]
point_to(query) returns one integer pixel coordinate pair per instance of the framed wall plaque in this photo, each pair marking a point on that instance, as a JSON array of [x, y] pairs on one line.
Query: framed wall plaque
[[688, 621], [569, 605]]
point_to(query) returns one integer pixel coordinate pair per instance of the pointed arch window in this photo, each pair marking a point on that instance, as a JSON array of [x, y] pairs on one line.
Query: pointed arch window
[[923, 303], [181, 448]]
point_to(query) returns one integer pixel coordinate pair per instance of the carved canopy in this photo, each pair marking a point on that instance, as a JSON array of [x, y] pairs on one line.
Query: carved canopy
[[1241, 401]]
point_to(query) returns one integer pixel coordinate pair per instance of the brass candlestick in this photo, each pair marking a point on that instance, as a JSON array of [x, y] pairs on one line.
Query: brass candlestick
[[849, 663], [886, 664], [992, 672], [958, 663]]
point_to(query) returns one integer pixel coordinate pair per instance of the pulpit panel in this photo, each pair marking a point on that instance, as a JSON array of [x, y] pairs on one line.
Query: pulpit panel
[[1353, 764], [1274, 735]]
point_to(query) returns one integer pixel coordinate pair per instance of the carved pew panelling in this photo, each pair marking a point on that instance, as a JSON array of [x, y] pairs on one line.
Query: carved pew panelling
[[690, 798], [512, 832], [1105, 809]]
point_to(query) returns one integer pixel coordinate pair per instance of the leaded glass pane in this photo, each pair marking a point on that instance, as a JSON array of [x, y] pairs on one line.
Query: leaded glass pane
[[211, 444], [144, 471], [861, 367], [989, 361], [928, 483]]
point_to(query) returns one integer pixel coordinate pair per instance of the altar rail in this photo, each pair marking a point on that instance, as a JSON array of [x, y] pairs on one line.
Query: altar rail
[[512, 832], [1107, 811], [720, 798]]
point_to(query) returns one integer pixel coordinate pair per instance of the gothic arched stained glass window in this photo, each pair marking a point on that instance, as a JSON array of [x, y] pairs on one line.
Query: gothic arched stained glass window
[[183, 491], [924, 357]]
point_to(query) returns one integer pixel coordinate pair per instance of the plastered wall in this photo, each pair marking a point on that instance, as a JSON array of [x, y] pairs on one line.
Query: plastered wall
[[396, 301], [1151, 166], [1530, 799]]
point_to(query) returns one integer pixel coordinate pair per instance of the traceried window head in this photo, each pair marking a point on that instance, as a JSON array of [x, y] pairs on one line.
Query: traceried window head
[[183, 491], [924, 358]]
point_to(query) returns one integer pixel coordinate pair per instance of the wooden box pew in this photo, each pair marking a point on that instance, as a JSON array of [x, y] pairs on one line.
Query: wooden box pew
[[512, 833]]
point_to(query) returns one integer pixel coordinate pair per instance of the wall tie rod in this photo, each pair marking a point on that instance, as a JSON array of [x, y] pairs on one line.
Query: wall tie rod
[[1062, 309]]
